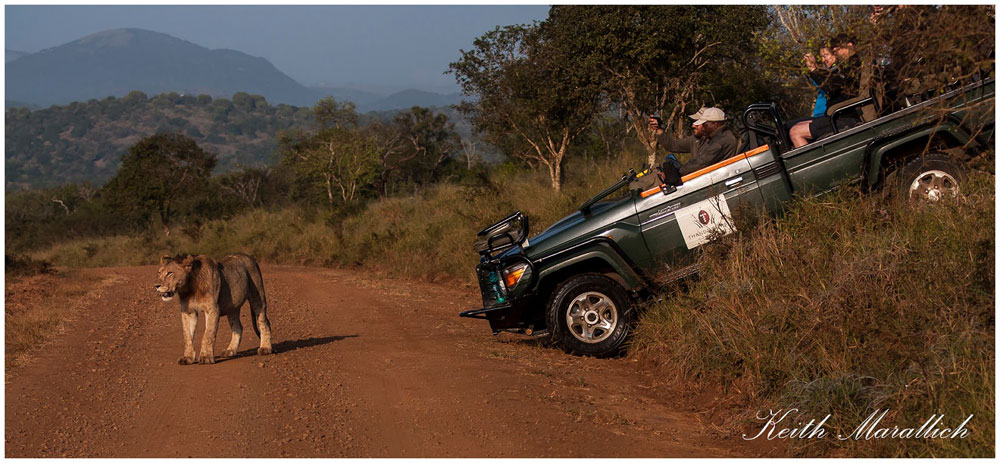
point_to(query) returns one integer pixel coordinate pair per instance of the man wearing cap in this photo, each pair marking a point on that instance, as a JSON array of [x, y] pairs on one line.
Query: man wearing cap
[[712, 141]]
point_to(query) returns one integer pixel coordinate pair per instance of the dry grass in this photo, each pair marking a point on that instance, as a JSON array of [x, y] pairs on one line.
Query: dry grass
[[428, 235], [36, 309], [847, 304]]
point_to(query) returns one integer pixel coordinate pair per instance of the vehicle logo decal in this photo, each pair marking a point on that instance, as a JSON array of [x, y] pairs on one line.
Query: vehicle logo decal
[[705, 220]]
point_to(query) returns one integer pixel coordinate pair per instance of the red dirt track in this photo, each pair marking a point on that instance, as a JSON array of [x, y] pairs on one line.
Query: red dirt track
[[363, 368]]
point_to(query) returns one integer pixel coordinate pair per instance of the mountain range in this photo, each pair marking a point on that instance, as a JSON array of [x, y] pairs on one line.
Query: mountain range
[[115, 62]]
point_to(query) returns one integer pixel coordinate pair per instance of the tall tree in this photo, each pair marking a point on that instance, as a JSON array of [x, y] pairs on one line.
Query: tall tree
[[431, 141], [340, 159], [328, 112], [666, 59], [526, 82], [156, 174]]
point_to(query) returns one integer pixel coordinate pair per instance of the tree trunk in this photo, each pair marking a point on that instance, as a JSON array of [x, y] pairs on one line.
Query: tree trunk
[[329, 190], [556, 173]]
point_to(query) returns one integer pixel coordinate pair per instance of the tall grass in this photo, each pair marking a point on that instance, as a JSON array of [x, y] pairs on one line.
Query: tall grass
[[846, 305], [426, 235]]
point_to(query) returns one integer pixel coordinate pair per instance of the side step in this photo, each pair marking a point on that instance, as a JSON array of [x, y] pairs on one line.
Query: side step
[[667, 278], [481, 313]]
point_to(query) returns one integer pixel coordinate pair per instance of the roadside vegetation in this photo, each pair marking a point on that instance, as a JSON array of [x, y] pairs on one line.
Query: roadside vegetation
[[39, 301], [846, 304]]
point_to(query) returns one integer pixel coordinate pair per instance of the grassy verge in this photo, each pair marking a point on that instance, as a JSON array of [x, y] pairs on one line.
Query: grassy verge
[[37, 305], [846, 305]]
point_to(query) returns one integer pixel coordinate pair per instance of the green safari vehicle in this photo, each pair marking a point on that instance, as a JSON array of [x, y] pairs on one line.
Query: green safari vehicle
[[579, 281]]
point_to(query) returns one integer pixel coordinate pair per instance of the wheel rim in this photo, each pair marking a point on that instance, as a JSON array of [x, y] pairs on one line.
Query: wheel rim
[[933, 185], [592, 317]]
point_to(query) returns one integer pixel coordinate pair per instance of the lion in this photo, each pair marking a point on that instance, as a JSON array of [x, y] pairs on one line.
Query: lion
[[215, 289]]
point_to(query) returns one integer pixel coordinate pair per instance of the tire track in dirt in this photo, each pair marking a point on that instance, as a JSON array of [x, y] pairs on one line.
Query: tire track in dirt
[[364, 368]]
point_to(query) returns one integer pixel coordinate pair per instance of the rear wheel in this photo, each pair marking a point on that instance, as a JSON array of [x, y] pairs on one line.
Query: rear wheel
[[589, 314], [930, 178]]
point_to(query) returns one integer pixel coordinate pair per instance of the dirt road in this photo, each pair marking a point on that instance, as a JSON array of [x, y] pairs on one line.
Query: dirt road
[[363, 368]]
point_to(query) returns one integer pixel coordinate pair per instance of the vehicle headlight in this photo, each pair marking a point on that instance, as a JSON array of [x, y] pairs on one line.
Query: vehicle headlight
[[515, 273]]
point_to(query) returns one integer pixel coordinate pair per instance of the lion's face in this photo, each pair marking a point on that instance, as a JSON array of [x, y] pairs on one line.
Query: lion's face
[[172, 276]]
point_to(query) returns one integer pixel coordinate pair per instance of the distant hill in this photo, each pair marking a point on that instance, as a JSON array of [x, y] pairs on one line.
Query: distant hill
[[406, 99], [83, 142], [115, 62], [410, 98], [20, 104], [13, 54]]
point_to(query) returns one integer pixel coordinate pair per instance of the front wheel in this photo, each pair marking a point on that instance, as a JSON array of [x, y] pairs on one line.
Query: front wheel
[[589, 314], [930, 178]]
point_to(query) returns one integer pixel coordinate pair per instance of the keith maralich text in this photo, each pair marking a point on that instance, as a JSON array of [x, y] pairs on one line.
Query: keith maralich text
[[779, 425]]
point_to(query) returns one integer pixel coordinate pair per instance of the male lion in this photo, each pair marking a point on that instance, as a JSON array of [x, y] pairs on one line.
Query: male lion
[[215, 289]]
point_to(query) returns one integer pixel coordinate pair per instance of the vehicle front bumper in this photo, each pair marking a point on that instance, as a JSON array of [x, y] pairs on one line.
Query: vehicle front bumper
[[513, 316]]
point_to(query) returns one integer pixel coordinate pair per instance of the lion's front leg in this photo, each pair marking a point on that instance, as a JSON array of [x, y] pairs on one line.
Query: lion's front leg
[[208, 341], [189, 321]]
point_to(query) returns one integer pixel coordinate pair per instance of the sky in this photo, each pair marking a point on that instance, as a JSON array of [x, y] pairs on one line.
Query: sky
[[374, 48]]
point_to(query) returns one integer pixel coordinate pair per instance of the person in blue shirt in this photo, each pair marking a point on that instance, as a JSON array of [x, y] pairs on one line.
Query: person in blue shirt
[[840, 83], [829, 61]]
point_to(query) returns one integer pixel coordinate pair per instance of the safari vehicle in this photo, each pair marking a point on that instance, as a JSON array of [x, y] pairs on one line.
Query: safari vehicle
[[580, 280]]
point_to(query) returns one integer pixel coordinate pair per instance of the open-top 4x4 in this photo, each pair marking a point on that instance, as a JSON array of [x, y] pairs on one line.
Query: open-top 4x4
[[579, 280]]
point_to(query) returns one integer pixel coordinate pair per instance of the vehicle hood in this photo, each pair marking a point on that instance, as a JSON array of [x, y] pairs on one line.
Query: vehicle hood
[[577, 226]]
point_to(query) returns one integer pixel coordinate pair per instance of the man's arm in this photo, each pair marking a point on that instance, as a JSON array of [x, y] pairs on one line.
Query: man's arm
[[677, 146], [703, 159], [718, 150]]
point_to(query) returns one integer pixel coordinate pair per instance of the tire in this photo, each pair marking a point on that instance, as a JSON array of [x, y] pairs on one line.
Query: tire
[[589, 314], [930, 178]]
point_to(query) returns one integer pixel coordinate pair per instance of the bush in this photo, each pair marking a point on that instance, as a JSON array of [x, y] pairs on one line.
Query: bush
[[18, 265]]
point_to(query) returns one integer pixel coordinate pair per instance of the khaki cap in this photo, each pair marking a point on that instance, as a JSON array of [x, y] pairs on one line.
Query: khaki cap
[[708, 115], [697, 115]]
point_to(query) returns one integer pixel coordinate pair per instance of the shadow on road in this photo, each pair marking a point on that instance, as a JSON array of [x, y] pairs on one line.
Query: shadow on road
[[286, 346]]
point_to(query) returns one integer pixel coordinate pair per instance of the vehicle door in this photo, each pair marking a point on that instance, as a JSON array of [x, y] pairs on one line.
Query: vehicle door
[[675, 223]]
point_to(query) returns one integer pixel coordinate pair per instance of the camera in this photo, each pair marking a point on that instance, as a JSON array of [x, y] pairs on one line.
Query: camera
[[659, 122]]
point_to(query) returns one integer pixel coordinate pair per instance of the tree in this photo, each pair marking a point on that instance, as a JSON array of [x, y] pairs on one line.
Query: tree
[[907, 50], [158, 174], [430, 140], [245, 184], [339, 159], [329, 113], [389, 144], [665, 59], [525, 81], [470, 152]]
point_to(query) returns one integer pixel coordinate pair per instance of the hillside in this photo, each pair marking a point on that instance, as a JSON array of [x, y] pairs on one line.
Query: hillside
[[11, 55], [84, 141], [115, 62]]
